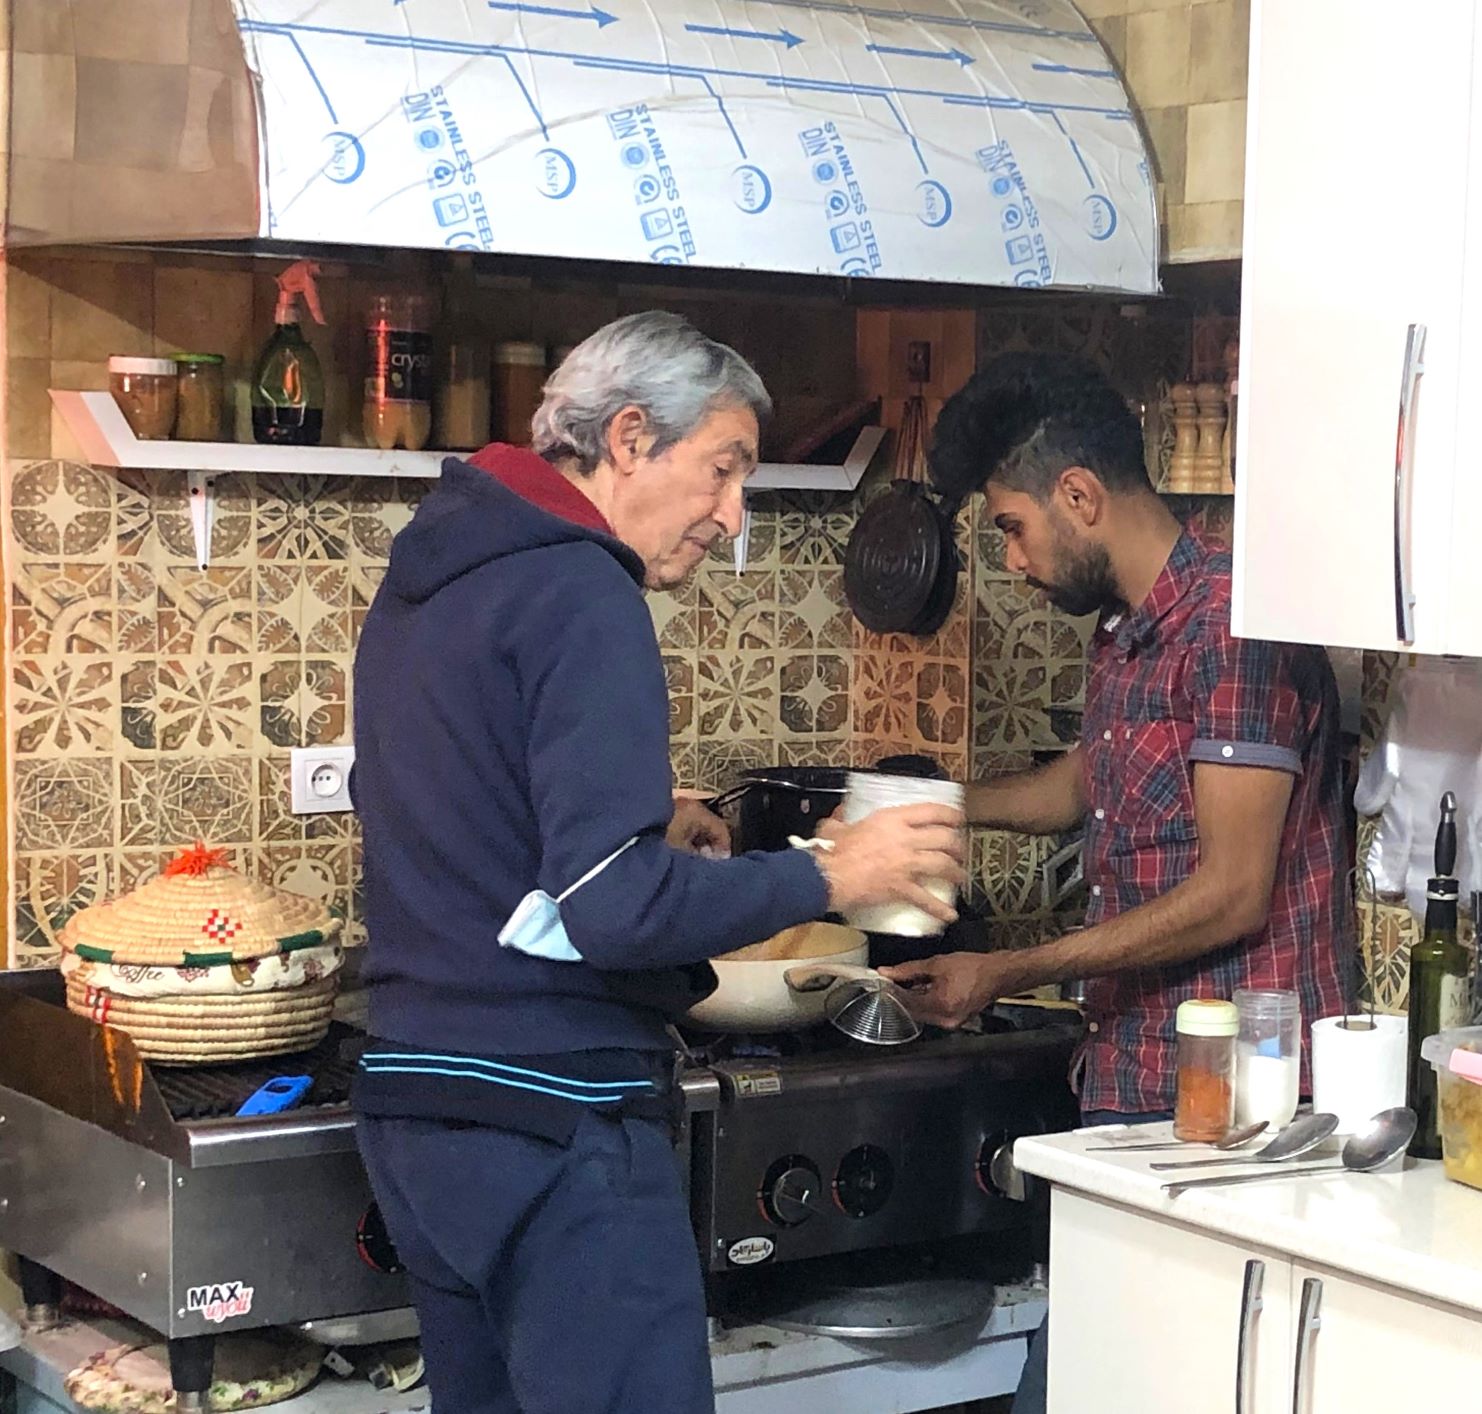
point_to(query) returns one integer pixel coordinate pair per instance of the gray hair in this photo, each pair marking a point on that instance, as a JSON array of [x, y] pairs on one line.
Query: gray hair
[[655, 361]]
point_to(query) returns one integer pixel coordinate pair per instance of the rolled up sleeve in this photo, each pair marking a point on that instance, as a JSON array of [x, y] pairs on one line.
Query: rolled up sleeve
[[1247, 708]]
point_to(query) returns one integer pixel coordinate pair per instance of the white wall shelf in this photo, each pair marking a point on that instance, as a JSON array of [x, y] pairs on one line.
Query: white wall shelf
[[107, 440]]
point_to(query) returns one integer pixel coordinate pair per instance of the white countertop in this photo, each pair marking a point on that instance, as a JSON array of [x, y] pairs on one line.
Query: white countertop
[[1412, 1229]]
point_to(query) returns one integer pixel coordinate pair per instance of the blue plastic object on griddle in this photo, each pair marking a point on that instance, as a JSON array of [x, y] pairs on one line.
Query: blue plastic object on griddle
[[281, 1093]]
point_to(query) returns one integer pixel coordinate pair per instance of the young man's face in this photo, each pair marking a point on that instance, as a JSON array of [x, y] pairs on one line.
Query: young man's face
[[1055, 553]]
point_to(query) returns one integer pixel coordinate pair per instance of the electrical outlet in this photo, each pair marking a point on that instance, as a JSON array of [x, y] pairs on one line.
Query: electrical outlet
[[319, 778]]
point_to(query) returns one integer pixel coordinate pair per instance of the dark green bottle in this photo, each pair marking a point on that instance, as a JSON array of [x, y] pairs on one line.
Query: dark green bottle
[[287, 384], [1439, 985]]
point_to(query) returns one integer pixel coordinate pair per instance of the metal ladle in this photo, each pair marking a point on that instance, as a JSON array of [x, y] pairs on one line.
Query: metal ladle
[[1235, 1139], [1297, 1138], [1387, 1136]]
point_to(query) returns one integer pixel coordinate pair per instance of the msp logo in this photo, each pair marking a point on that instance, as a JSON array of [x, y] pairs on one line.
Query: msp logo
[[346, 159], [555, 174], [635, 154], [936, 204], [753, 189], [219, 1302], [1101, 217], [825, 171]]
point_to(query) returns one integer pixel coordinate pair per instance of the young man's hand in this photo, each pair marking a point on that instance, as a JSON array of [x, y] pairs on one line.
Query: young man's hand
[[696, 830]]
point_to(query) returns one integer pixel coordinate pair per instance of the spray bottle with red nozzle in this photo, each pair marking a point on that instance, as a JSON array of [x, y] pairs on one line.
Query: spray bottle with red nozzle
[[288, 384]]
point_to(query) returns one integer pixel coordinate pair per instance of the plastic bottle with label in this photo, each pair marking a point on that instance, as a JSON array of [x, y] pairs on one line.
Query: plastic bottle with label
[[398, 380]]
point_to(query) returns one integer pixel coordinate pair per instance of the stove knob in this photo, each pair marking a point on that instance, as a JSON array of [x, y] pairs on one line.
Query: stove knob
[[374, 1243], [791, 1191], [998, 1174]]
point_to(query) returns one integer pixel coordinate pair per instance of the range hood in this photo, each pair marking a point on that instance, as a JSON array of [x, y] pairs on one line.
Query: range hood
[[982, 142]]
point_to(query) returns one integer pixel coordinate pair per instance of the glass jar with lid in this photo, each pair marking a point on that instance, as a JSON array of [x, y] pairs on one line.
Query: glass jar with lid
[[1268, 1057], [145, 391], [199, 397], [519, 385], [1205, 1107]]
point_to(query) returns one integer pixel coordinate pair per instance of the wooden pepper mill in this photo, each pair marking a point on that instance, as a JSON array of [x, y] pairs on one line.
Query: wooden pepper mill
[[1209, 455], [1183, 469], [1232, 390]]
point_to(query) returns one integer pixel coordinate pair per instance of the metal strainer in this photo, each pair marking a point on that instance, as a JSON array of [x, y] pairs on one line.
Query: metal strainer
[[871, 1009]]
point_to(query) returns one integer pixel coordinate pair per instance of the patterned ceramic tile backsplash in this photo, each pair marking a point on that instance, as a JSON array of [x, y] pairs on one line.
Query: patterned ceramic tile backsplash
[[153, 702]]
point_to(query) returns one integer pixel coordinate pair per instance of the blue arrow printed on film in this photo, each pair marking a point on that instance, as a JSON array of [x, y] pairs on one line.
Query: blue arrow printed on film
[[782, 36], [601, 17], [954, 54], [839, 7]]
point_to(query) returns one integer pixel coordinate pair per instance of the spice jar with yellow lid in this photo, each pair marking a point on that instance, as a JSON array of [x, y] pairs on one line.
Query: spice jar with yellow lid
[[1205, 1108]]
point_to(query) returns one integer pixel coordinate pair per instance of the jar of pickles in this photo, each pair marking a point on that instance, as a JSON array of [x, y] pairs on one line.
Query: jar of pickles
[[1205, 1107], [199, 396]]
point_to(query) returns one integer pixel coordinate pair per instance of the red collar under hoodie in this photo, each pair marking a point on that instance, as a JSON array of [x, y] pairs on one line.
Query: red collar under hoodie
[[537, 481]]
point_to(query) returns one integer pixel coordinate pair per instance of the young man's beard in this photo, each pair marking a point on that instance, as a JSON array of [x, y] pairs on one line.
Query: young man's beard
[[1084, 582]]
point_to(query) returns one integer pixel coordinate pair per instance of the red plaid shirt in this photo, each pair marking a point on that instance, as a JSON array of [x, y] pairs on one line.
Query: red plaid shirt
[[1169, 686]]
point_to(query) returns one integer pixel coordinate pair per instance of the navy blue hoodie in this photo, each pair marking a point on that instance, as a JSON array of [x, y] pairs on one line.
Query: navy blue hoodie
[[511, 731]]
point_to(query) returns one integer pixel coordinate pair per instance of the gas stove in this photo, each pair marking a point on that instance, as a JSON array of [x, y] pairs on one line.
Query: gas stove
[[143, 1185], [811, 1146]]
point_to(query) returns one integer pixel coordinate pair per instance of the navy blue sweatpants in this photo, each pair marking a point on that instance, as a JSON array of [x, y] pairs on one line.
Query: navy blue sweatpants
[[547, 1280]]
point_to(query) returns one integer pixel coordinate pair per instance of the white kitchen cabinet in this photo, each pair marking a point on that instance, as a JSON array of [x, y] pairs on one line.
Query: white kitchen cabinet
[[1152, 1317], [1363, 164], [1372, 1348]]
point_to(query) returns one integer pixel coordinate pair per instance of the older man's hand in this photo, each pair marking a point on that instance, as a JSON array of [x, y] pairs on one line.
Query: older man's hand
[[697, 830], [955, 987]]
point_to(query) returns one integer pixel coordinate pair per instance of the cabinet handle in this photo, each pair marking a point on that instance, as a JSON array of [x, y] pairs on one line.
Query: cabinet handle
[[1250, 1308], [1404, 477], [1309, 1322]]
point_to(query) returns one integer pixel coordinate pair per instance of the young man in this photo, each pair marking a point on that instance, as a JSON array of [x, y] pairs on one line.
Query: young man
[[1207, 777], [1208, 774], [531, 922]]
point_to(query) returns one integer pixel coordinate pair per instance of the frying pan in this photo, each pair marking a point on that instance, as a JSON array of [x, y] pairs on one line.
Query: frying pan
[[900, 566]]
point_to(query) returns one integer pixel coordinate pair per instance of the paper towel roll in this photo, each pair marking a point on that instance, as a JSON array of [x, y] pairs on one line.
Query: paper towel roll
[[1357, 1073]]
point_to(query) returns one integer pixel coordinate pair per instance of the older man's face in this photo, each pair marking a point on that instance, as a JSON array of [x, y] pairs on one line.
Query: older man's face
[[679, 504]]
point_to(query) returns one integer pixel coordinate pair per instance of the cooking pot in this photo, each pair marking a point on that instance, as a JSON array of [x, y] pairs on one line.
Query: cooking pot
[[773, 803], [753, 995]]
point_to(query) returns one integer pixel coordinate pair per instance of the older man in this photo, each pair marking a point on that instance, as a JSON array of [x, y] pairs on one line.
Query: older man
[[530, 924]]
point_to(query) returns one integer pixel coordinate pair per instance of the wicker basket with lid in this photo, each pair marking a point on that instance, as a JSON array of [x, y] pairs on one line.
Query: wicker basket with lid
[[198, 913], [197, 919]]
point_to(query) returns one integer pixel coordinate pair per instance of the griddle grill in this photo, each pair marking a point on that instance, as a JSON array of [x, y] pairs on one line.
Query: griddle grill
[[213, 1091]]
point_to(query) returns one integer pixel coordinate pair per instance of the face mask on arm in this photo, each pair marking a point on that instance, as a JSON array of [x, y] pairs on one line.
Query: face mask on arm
[[535, 927]]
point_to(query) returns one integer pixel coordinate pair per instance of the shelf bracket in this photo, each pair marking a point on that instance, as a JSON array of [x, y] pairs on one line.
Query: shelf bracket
[[201, 487]]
